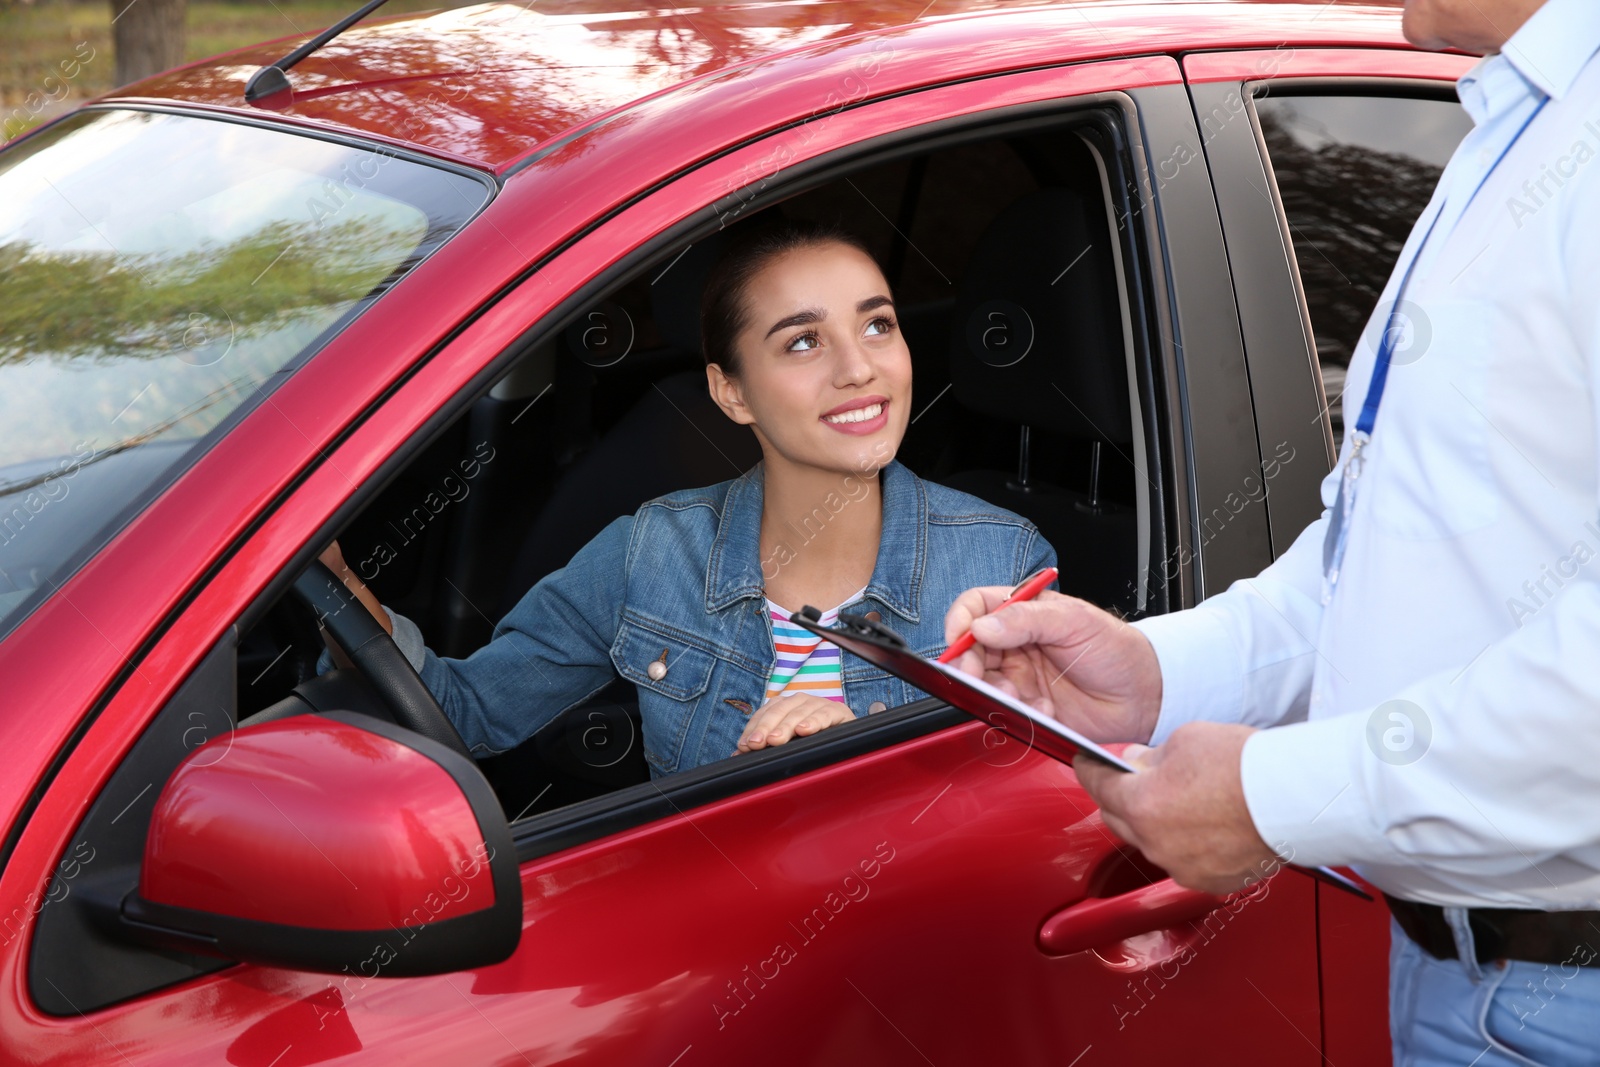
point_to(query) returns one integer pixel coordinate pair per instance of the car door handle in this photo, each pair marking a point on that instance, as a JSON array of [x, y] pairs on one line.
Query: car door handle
[[1102, 920]]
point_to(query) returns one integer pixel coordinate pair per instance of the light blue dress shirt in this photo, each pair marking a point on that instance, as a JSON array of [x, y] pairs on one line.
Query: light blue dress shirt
[[1437, 725]]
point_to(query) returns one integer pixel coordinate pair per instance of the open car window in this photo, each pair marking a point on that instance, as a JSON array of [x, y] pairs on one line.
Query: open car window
[[160, 272], [609, 408]]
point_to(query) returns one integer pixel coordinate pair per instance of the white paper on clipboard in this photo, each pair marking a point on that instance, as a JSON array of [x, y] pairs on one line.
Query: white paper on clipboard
[[1038, 718], [972, 695]]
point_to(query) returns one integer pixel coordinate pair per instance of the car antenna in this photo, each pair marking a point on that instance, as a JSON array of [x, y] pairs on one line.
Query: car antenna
[[274, 77]]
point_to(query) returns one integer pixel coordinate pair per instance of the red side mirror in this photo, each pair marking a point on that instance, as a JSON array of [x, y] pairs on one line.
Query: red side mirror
[[330, 842]]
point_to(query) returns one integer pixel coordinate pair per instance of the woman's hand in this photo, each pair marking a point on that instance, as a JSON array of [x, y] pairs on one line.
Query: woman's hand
[[334, 559], [795, 715]]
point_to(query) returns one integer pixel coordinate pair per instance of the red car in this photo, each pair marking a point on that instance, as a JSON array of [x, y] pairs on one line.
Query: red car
[[431, 288]]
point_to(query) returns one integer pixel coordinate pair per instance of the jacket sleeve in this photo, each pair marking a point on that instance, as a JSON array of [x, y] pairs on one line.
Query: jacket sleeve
[[1033, 555], [551, 652]]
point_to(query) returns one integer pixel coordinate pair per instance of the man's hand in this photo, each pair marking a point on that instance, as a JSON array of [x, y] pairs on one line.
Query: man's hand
[[1185, 808], [1064, 657], [796, 715]]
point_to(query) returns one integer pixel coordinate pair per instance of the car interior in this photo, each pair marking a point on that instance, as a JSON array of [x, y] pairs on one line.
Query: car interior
[[614, 410]]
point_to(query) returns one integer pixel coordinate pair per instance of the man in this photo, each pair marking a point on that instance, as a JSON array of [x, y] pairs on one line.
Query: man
[[1426, 654]]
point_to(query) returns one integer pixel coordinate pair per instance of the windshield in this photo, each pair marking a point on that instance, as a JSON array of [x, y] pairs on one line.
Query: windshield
[[158, 273]]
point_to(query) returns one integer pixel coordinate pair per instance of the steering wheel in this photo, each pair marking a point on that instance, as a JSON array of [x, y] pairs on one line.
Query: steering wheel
[[376, 656]]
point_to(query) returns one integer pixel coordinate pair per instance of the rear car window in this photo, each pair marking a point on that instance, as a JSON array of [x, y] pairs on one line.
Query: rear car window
[[1354, 172], [160, 273]]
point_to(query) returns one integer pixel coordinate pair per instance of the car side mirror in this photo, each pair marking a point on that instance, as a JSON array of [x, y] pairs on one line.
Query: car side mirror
[[330, 843]]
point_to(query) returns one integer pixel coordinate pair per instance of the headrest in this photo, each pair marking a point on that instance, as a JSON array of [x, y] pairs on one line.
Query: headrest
[[1036, 335], [675, 295]]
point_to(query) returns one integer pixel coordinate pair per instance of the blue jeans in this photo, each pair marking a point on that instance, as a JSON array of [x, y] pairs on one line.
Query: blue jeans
[[1505, 1013]]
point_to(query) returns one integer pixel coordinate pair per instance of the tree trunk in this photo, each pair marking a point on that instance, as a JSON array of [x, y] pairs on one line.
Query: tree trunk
[[147, 37]]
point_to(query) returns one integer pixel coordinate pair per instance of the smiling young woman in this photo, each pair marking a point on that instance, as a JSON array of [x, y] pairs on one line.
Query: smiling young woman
[[824, 381], [689, 597]]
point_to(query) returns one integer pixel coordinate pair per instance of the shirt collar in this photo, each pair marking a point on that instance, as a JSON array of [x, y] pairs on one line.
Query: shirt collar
[[733, 572], [1544, 57]]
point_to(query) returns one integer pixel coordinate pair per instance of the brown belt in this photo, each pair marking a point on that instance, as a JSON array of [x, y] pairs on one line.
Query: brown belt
[[1559, 937]]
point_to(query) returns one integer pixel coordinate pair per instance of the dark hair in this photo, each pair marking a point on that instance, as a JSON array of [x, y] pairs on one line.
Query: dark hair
[[724, 313]]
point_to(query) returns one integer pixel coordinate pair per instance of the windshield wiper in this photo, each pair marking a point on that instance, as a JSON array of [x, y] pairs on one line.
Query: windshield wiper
[[274, 77], [140, 438]]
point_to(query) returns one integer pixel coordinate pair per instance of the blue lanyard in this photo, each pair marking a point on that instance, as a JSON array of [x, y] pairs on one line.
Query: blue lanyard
[[1380, 369], [1333, 544]]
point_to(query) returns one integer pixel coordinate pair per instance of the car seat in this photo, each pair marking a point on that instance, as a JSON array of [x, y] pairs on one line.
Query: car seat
[[1036, 341]]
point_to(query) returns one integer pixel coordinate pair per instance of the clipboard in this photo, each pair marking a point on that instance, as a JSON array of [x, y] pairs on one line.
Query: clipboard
[[881, 646]]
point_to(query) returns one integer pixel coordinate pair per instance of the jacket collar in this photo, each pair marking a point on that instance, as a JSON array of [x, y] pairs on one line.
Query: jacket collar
[[733, 572]]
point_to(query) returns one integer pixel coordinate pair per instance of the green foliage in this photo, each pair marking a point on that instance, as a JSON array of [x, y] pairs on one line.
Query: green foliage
[[101, 350], [105, 305]]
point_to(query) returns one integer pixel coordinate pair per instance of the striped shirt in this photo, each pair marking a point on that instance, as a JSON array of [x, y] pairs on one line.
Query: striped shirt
[[805, 663]]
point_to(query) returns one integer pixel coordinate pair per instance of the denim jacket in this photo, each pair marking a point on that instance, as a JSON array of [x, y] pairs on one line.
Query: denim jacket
[[682, 577]]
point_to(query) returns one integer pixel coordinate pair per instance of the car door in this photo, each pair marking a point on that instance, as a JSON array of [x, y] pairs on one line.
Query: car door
[[914, 888], [1323, 159]]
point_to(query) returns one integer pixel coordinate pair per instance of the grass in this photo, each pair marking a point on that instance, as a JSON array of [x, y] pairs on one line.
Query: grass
[[56, 53]]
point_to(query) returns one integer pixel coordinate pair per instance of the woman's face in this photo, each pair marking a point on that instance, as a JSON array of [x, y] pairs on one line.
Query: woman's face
[[824, 373]]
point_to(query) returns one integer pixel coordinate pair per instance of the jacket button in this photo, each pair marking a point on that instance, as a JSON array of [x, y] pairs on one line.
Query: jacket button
[[873, 616], [875, 707], [658, 667]]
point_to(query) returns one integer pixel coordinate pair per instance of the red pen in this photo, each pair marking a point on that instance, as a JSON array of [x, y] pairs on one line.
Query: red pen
[[1026, 591]]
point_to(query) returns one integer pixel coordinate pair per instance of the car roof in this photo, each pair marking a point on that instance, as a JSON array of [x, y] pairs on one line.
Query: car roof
[[490, 84]]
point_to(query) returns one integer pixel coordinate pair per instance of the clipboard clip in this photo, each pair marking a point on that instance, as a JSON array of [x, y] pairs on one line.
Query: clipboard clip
[[857, 626]]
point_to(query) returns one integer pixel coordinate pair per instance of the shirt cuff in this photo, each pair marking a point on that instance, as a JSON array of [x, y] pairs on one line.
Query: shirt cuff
[[1202, 678], [408, 637], [1304, 787]]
